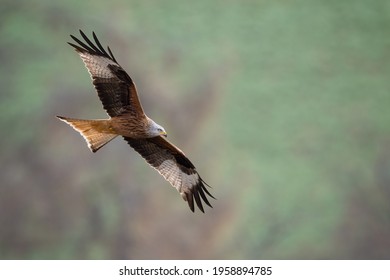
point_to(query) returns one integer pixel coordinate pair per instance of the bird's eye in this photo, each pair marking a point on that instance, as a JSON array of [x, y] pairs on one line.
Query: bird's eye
[[159, 129]]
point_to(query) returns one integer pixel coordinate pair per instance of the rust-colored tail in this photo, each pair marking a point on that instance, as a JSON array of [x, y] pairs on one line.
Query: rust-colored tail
[[97, 133]]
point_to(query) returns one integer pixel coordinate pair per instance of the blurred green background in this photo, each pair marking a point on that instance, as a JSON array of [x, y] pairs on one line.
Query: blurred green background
[[283, 106]]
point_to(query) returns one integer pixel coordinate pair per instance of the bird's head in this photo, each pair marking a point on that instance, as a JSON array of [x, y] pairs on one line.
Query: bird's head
[[157, 130]]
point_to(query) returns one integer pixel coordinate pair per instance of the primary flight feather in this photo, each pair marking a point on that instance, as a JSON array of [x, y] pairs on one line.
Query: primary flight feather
[[119, 97]]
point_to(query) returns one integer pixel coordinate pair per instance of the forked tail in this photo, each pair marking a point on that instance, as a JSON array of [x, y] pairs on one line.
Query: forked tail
[[97, 133]]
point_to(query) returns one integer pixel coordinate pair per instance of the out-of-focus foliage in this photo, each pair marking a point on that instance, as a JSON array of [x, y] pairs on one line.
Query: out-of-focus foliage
[[283, 106]]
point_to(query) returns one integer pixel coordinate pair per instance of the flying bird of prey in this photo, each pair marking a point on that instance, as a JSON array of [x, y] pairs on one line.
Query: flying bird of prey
[[119, 97]]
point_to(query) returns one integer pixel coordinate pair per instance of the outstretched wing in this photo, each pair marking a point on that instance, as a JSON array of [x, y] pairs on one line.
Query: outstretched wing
[[175, 167], [115, 88]]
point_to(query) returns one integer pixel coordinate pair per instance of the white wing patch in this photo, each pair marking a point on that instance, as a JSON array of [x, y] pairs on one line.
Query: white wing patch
[[181, 181], [98, 65]]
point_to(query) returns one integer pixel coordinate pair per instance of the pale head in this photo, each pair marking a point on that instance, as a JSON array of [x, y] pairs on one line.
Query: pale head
[[156, 129]]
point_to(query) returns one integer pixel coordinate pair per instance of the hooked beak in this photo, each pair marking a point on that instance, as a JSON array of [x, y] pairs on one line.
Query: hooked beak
[[163, 133]]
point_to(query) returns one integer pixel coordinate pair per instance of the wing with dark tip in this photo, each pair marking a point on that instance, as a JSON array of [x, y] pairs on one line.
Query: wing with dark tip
[[175, 167], [115, 88]]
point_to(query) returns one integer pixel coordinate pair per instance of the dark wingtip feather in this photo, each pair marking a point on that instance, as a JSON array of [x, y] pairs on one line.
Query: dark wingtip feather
[[204, 197], [89, 42], [98, 44], [83, 46], [198, 201], [90, 47], [112, 55], [205, 189], [198, 194], [77, 48], [190, 200]]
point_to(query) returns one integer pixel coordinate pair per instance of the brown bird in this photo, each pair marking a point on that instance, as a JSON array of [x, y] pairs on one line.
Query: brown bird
[[119, 97]]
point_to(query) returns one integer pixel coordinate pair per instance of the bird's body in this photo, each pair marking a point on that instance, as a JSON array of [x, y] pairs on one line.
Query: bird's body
[[119, 97]]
